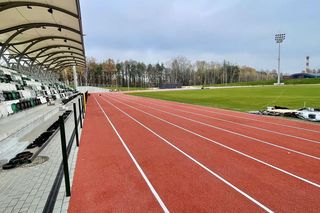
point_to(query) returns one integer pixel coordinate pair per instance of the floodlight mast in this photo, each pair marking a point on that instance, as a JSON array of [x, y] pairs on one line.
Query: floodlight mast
[[279, 39]]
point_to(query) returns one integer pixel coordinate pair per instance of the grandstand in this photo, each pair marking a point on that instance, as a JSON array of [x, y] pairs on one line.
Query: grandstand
[[20, 92], [38, 40]]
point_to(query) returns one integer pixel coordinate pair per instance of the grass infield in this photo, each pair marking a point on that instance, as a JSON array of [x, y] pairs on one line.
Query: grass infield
[[271, 82], [245, 99]]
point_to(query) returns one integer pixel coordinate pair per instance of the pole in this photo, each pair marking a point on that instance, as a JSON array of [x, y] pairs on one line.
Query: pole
[[75, 77], [279, 65], [81, 101], [85, 98], [128, 79], [226, 77], [80, 112], [76, 122], [64, 156]]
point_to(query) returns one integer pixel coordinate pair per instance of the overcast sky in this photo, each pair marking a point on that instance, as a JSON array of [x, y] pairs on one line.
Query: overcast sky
[[240, 31]]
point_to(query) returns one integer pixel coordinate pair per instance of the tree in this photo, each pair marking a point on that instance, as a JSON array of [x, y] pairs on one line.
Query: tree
[[109, 69], [201, 67], [177, 70]]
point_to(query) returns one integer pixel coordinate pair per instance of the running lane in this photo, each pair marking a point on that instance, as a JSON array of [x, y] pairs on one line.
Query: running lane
[[278, 190], [294, 127], [105, 179], [298, 164], [183, 185], [242, 128]]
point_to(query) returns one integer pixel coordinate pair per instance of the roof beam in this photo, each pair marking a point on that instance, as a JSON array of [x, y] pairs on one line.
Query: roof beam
[[24, 27], [65, 65], [42, 38], [65, 60], [80, 24], [44, 49], [65, 56], [68, 62], [13, 4], [47, 48], [38, 25], [70, 57], [12, 36], [49, 55], [60, 51]]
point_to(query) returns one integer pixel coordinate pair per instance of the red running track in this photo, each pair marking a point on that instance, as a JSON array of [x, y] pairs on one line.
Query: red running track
[[145, 155]]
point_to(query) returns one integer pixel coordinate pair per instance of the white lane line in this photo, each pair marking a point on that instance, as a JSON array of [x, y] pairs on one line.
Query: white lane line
[[227, 147], [261, 121], [240, 124], [220, 113], [232, 132], [154, 192], [195, 161]]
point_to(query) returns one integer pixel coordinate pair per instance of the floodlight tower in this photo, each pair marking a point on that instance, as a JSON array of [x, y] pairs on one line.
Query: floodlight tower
[[279, 39], [307, 64]]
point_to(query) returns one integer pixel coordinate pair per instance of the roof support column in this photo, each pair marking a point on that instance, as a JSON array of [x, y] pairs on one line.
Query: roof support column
[[75, 77], [5, 60]]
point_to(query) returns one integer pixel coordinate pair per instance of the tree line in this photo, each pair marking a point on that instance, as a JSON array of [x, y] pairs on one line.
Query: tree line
[[178, 70]]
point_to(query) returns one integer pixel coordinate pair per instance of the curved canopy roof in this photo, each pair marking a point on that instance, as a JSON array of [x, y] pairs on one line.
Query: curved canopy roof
[[46, 34]]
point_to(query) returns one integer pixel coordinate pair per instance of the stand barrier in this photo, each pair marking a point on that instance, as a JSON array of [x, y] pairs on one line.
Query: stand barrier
[[66, 148]]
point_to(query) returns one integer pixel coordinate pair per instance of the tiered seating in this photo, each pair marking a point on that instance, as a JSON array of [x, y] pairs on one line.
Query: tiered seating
[[19, 92], [26, 156]]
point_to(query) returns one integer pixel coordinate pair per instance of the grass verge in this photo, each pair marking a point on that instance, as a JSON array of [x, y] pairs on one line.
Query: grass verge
[[271, 82], [245, 99]]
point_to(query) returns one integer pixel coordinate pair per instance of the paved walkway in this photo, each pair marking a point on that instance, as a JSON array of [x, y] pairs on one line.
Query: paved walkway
[[26, 189], [90, 89], [18, 130], [14, 124]]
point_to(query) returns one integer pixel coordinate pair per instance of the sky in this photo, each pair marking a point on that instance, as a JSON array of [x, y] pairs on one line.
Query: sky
[[239, 31]]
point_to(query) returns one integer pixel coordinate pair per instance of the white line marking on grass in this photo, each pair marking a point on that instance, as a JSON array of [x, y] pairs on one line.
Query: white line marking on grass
[[227, 147], [195, 161], [249, 126], [232, 132], [154, 192]]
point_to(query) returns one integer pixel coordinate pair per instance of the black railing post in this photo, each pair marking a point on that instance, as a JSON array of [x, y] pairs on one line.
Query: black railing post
[[64, 155], [82, 104], [76, 122], [80, 113]]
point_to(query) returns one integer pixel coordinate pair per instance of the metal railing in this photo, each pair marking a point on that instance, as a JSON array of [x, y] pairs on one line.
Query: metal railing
[[66, 149]]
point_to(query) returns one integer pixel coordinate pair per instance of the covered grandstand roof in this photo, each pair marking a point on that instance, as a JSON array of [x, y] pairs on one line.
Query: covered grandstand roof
[[42, 34]]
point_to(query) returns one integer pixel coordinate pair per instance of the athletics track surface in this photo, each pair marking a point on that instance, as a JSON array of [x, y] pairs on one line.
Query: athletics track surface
[[145, 155]]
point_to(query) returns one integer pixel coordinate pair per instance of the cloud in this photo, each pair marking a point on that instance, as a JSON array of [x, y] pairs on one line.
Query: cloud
[[241, 31]]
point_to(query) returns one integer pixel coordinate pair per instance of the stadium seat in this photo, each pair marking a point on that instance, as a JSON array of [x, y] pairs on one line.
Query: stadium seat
[[19, 92]]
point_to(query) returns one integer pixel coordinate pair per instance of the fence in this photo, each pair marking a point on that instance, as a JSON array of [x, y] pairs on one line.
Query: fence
[[66, 148]]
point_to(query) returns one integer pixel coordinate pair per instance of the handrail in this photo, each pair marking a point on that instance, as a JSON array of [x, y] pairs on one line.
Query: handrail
[[66, 149]]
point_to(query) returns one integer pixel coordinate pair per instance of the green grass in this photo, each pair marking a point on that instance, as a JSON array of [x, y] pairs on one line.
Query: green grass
[[126, 88], [250, 83], [271, 82], [245, 99]]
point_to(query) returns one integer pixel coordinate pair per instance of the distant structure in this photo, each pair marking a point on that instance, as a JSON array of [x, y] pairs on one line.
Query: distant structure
[[304, 75], [307, 64], [170, 86]]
